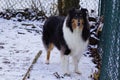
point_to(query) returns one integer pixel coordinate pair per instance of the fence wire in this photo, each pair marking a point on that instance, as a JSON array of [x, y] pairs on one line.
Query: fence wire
[[49, 6], [35, 8]]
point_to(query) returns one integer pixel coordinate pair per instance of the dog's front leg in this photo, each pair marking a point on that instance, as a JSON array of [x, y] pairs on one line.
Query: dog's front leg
[[65, 64], [76, 62]]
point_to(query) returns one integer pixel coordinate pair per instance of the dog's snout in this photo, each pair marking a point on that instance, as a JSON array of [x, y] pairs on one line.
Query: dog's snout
[[78, 22]]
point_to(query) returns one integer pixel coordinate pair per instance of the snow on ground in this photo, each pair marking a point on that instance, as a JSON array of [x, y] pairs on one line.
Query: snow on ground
[[18, 46]]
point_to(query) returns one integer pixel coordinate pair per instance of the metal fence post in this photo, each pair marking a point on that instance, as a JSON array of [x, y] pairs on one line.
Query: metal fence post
[[110, 40]]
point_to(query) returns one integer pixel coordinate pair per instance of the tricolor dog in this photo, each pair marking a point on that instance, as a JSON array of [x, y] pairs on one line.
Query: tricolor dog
[[69, 34]]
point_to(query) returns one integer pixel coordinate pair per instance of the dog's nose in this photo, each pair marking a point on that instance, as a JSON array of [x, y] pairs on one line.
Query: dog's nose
[[78, 23]]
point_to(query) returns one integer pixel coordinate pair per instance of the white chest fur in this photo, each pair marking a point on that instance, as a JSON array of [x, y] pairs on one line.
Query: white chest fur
[[74, 40]]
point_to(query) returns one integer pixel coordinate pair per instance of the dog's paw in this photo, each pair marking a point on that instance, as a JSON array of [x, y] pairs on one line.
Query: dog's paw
[[46, 62], [78, 72], [67, 74]]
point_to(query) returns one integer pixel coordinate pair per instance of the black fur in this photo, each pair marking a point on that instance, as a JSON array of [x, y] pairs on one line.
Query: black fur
[[73, 13], [53, 33], [86, 28], [83, 13], [70, 17]]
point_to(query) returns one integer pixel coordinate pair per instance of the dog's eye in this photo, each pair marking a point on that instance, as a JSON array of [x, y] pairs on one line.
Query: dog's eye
[[76, 16]]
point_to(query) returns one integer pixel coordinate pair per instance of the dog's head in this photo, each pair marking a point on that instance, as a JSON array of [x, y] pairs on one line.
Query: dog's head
[[78, 19]]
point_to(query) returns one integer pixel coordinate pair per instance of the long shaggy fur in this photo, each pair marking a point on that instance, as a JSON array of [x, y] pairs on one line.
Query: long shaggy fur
[[52, 32], [69, 34]]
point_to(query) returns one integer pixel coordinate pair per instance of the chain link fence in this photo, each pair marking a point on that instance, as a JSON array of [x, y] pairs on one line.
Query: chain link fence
[[48, 6], [91, 5], [44, 7], [110, 40]]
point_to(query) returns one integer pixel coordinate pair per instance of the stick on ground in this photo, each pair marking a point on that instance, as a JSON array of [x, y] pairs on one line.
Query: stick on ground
[[31, 66]]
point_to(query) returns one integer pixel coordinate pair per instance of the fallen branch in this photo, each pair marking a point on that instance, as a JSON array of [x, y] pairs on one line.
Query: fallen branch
[[33, 26], [57, 75], [31, 66]]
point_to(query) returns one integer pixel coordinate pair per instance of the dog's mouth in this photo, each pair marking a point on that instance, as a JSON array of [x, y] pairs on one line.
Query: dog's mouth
[[78, 23]]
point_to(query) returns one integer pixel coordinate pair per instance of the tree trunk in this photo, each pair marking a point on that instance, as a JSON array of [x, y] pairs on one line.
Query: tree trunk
[[65, 5]]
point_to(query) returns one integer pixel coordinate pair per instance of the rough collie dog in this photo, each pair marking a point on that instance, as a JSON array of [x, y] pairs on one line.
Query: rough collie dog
[[70, 35]]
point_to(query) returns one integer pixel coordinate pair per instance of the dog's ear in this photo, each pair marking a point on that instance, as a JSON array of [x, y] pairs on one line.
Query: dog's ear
[[69, 19], [85, 16], [86, 29], [85, 12]]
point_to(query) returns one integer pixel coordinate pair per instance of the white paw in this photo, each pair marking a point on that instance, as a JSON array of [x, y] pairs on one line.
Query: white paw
[[66, 74], [47, 62], [78, 72]]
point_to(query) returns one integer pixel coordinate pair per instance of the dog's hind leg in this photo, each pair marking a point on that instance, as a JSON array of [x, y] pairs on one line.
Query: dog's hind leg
[[50, 47]]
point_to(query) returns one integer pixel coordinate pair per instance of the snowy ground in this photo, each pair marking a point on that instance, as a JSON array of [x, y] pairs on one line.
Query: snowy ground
[[18, 46]]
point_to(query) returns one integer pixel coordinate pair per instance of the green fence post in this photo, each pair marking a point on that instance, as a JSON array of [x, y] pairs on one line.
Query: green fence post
[[110, 41], [101, 7]]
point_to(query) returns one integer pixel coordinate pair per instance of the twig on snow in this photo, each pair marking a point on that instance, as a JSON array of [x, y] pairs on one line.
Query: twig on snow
[[31, 66]]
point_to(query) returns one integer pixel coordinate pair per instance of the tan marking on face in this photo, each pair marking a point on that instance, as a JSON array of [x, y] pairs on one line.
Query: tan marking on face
[[75, 23], [81, 24]]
